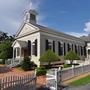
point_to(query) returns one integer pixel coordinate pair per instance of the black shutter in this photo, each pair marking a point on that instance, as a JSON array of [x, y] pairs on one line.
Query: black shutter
[[29, 48], [36, 47], [64, 48], [47, 45], [53, 46], [81, 51], [69, 48], [75, 49], [84, 51], [78, 50], [59, 48], [72, 47]]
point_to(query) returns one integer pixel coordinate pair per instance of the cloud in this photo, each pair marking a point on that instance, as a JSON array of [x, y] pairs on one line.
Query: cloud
[[87, 27], [34, 4], [12, 13], [77, 34]]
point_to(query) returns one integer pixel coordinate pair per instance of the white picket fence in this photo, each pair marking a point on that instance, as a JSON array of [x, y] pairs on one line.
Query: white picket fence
[[26, 82], [75, 71], [55, 77], [13, 62]]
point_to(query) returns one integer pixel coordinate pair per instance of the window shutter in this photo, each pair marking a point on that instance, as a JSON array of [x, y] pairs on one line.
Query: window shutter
[[29, 48], [64, 48], [53, 46], [59, 47], [36, 47], [46, 44], [84, 51], [72, 47], [75, 48]]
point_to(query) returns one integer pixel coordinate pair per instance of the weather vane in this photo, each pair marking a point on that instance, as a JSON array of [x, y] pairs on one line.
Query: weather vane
[[30, 4]]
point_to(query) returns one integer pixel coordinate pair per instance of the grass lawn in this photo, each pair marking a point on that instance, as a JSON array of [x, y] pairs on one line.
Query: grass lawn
[[82, 81], [67, 65]]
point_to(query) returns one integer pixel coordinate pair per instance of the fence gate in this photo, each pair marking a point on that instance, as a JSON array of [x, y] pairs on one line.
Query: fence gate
[[53, 79]]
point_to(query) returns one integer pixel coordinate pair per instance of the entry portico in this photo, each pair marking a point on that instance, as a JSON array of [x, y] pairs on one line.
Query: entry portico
[[19, 49]]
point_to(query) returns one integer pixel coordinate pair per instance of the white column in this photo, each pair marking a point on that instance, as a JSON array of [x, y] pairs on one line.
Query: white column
[[20, 51], [13, 51], [16, 52]]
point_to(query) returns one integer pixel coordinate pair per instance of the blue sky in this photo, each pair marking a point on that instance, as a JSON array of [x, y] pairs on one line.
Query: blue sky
[[69, 16]]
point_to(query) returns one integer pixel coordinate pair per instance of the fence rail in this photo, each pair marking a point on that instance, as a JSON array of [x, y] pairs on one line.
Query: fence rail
[[13, 62], [26, 82], [72, 72], [55, 77]]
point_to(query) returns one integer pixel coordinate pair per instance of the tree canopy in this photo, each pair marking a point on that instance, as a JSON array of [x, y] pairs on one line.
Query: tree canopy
[[6, 50], [71, 56], [49, 56]]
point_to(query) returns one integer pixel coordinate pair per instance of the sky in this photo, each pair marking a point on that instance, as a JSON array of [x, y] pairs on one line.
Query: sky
[[68, 16]]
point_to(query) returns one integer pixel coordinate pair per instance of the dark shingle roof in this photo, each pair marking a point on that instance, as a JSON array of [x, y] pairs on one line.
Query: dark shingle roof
[[86, 38]]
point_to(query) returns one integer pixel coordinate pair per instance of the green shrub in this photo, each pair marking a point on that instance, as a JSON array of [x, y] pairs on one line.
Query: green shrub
[[71, 56], [41, 71], [26, 64], [67, 65], [49, 56], [1, 61]]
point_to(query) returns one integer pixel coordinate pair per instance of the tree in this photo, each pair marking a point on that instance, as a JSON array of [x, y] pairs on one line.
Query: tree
[[4, 37], [49, 56], [6, 50], [71, 56], [27, 64]]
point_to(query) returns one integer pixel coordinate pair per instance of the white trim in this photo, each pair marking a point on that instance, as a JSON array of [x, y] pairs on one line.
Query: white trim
[[23, 24]]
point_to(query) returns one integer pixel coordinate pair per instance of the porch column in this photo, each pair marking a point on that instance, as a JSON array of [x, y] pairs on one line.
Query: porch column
[[16, 52], [13, 52], [20, 52]]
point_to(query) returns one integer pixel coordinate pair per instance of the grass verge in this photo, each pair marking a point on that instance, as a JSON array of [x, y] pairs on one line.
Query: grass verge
[[81, 81]]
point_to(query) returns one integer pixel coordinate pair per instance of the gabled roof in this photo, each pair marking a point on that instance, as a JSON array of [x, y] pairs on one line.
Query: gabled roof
[[21, 27], [49, 30], [86, 38], [61, 34], [21, 43]]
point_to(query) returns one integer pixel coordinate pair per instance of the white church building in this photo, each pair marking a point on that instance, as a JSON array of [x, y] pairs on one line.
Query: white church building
[[33, 40]]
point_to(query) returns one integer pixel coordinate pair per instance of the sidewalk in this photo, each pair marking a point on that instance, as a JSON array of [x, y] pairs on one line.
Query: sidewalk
[[76, 78]]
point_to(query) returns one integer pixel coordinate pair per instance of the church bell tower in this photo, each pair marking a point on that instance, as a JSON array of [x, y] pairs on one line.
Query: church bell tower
[[30, 16]]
